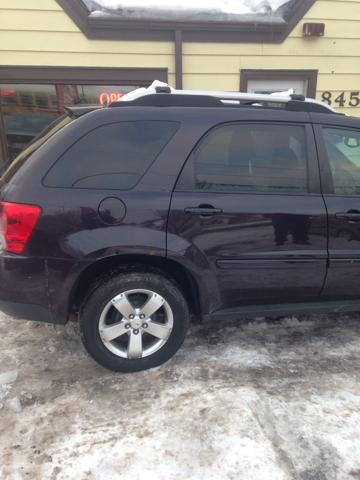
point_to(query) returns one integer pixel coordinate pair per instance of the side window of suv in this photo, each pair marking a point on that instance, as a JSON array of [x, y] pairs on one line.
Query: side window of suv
[[343, 147], [113, 156], [249, 158]]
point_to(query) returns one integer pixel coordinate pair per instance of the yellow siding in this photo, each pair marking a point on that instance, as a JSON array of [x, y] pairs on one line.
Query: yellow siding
[[211, 81], [38, 32], [33, 20], [86, 59], [324, 10], [75, 43], [30, 5], [335, 56]]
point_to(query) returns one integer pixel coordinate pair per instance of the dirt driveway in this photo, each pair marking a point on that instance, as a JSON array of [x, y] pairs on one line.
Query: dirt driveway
[[260, 399]]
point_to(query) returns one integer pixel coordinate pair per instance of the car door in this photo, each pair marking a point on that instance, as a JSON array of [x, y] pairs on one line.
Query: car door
[[339, 154], [247, 216]]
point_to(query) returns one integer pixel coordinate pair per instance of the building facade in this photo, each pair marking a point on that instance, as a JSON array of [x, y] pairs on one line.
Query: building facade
[[59, 52]]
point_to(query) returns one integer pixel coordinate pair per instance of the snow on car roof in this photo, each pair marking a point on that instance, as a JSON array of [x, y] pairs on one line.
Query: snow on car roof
[[248, 10]]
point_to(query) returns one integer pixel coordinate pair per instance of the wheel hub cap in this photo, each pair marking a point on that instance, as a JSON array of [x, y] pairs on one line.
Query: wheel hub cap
[[136, 323]]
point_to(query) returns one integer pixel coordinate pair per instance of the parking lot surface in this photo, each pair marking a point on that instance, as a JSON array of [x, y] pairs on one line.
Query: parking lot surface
[[253, 399]]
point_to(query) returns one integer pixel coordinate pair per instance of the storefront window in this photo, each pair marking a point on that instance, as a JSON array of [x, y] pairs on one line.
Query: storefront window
[[302, 82], [28, 109]]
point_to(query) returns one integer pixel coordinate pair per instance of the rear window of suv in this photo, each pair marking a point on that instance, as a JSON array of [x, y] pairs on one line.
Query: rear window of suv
[[113, 156]]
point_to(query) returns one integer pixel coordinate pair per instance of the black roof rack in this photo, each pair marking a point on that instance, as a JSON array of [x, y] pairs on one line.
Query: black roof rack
[[172, 101]]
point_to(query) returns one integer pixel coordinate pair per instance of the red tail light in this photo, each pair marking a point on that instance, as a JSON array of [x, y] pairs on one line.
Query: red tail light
[[17, 223]]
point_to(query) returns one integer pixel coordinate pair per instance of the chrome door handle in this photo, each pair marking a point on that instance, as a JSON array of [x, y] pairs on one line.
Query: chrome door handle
[[203, 211], [349, 216]]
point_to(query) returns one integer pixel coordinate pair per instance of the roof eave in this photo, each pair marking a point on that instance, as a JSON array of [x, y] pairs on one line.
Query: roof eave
[[108, 27]]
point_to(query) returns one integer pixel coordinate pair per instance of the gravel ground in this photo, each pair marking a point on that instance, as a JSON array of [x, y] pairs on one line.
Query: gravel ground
[[253, 399]]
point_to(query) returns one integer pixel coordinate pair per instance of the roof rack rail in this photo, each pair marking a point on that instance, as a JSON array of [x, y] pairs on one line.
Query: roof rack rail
[[291, 102]]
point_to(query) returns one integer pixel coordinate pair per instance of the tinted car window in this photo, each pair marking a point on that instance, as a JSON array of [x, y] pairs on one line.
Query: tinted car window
[[343, 148], [113, 156], [250, 158]]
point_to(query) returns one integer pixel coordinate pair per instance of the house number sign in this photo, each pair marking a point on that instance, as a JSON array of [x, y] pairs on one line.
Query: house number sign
[[351, 99]]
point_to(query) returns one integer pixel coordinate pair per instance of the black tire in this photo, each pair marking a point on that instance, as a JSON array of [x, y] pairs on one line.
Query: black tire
[[156, 337]]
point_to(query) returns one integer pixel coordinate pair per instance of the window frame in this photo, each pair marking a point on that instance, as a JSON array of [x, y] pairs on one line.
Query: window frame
[[310, 76], [313, 173]]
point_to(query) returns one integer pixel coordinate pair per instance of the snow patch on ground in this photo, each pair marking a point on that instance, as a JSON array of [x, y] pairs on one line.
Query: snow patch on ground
[[8, 377], [14, 404], [273, 398]]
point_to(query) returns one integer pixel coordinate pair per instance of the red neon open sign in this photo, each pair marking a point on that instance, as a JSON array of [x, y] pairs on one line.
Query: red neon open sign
[[8, 92], [109, 97]]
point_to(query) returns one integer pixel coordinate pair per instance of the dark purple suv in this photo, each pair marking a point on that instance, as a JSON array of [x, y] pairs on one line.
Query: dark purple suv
[[137, 215]]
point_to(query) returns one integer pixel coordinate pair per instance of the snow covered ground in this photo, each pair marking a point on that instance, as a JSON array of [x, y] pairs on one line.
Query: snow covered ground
[[258, 399]]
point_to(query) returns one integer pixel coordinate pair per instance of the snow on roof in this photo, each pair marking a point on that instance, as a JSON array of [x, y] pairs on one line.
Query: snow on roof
[[208, 10]]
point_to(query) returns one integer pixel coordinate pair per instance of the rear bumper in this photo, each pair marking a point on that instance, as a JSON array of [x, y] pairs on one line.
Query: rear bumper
[[36, 288], [27, 311], [22, 282]]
